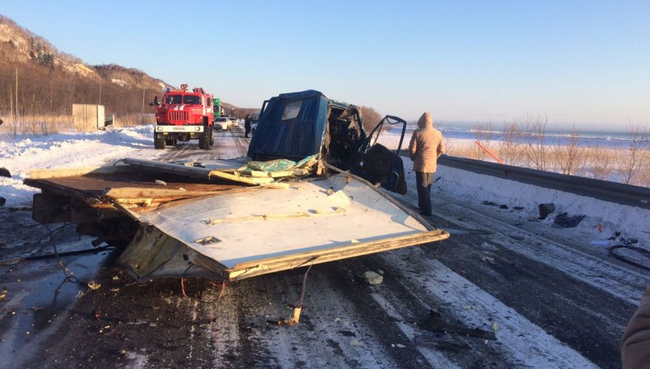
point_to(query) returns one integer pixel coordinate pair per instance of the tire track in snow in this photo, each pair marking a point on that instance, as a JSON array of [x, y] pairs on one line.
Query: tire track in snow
[[526, 343]]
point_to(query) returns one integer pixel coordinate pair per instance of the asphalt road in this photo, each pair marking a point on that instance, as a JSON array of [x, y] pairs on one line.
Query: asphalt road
[[550, 303]]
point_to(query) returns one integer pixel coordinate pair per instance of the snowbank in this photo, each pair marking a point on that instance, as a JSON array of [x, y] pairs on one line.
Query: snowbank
[[67, 150], [632, 222]]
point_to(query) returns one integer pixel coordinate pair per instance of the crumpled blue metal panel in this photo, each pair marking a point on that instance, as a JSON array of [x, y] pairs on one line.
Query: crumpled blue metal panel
[[299, 134]]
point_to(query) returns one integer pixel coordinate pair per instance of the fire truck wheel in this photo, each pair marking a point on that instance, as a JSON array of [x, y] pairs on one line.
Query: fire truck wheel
[[211, 136], [204, 139], [158, 142]]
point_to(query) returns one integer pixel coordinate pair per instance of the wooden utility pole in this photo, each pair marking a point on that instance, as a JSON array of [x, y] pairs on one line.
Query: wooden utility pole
[[11, 105], [16, 116]]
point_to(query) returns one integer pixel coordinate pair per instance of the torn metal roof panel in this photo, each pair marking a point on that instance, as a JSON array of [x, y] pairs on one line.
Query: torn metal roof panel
[[334, 218]]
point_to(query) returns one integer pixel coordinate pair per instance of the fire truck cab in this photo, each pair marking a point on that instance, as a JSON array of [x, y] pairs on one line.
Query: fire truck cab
[[184, 115]]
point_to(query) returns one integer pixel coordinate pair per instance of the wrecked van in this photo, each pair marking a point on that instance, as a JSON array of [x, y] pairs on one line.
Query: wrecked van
[[308, 192]]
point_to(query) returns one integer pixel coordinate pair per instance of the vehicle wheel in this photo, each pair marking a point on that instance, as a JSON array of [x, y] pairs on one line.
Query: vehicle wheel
[[158, 142], [171, 141], [204, 139], [211, 135]]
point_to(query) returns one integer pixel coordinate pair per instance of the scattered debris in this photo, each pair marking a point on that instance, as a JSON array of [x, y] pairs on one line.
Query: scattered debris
[[489, 246], [372, 278], [563, 220], [3, 294], [488, 259], [275, 185], [468, 307], [441, 345], [503, 207], [545, 210], [632, 255], [356, 343], [495, 327], [207, 240], [399, 345], [94, 285], [518, 208], [162, 183], [295, 319], [435, 323], [599, 243]]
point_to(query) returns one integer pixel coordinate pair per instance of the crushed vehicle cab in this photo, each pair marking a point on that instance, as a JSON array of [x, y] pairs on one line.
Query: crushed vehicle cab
[[310, 191], [297, 125], [184, 115]]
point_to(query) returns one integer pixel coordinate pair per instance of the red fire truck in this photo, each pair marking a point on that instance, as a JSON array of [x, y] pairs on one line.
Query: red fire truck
[[184, 115]]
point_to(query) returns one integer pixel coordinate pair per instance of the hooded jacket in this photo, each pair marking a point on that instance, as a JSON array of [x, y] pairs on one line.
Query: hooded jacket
[[426, 145]]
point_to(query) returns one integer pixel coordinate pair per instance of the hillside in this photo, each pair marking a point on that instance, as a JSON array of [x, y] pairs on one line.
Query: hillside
[[50, 81]]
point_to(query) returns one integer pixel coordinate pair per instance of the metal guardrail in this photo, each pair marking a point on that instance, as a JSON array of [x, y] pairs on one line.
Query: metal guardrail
[[604, 190]]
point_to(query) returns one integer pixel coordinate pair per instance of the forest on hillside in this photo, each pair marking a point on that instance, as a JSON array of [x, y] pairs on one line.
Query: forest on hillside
[[38, 80], [33, 89]]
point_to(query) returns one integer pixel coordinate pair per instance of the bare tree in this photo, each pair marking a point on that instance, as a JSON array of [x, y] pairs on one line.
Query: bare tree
[[602, 162], [511, 144], [535, 140], [370, 117], [632, 159], [569, 155], [483, 134]]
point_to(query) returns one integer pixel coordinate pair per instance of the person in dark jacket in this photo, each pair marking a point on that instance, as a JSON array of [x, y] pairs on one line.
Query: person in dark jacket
[[425, 148], [247, 125]]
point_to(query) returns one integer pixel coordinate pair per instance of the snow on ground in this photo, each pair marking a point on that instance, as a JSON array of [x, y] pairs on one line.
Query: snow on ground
[[67, 150], [631, 221]]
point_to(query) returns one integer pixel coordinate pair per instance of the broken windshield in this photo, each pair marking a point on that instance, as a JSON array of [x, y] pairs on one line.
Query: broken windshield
[[291, 110]]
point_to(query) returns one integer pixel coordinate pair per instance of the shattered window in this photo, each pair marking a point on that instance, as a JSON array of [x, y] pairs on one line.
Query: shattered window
[[291, 110]]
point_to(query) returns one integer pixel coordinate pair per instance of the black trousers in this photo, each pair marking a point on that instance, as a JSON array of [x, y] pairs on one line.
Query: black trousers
[[423, 183], [247, 128]]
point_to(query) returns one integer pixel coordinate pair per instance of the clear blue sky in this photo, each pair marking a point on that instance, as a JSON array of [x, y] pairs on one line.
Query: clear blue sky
[[577, 62]]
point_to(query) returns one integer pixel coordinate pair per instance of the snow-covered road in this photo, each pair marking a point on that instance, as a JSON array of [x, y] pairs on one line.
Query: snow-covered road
[[552, 298]]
